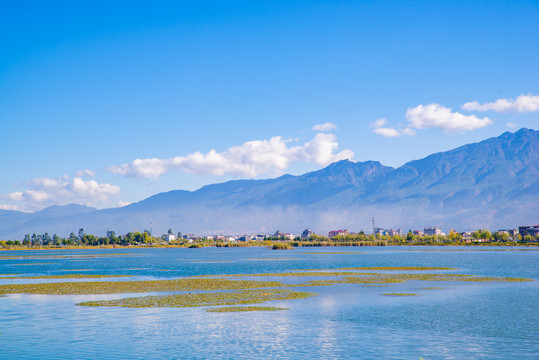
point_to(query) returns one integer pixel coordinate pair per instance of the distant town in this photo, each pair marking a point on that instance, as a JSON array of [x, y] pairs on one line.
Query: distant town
[[432, 235]]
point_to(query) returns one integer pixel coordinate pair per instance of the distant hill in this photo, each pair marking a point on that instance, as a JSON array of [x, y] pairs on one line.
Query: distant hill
[[491, 184]]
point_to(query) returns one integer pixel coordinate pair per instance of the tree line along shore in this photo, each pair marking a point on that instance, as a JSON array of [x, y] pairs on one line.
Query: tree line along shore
[[145, 239]]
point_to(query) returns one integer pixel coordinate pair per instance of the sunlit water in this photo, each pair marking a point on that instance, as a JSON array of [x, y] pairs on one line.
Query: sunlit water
[[346, 321]]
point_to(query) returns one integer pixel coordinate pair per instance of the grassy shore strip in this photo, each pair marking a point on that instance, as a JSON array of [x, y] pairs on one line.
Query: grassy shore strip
[[70, 276], [204, 299], [228, 309], [399, 294], [124, 287], [282, 246]]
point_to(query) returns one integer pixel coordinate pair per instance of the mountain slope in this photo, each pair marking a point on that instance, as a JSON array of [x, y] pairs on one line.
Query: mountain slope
[[491, 184]]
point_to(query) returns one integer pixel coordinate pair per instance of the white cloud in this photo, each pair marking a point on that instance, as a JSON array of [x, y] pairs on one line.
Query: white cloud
[[44, 192], [10, 207], [511, 125], [523, 103], [379, 128], [85, 173], [250, 159], [438, 116], [325, 127], [123, 203]]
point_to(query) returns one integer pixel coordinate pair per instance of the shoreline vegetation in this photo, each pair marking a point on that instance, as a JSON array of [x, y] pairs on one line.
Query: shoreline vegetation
[[284, 245], [145, 240], [274, 244]]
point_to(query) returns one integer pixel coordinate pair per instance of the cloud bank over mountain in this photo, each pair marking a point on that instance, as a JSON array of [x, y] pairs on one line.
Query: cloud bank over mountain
[[250, 159]]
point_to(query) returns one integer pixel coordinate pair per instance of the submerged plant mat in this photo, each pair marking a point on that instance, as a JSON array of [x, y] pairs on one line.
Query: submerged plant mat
[[63, 256], [228, 309], [212, 283], [399, 294], [398, 268], [333, 252], [124, 287], [432, 288], [263, 259], [70, 276], [204, 299]]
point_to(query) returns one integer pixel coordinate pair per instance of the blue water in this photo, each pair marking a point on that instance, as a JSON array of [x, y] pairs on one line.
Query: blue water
[[346, 321]]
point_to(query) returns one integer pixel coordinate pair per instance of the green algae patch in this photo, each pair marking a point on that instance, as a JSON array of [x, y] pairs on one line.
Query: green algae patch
[[30, 264], [228, 309], [374, 285], [399, 294], [304, 273], [380, 278], [204, 299], [432, 288], [124, 287], [70, 276]]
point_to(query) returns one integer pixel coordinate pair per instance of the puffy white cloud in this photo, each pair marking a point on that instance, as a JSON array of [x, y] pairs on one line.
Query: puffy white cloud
[[249, 159], [523, 103], [325, 127], [85, 173], [511, 125], [10, 207], [43, 192], [379, 128], [438, 116]]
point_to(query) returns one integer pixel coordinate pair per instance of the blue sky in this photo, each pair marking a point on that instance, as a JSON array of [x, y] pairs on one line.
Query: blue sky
[[106, 103]]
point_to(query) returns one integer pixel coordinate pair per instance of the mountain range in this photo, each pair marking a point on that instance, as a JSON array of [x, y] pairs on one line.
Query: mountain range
[[492, 184]]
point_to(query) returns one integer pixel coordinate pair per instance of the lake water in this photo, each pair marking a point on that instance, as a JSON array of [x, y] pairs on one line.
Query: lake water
[[464, 320]]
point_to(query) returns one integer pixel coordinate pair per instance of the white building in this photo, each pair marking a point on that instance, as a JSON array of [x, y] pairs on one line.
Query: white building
[[432, 230], [169, 237]]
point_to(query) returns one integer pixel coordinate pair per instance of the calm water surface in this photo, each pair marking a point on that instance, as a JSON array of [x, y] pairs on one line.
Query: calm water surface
[[346, 321]]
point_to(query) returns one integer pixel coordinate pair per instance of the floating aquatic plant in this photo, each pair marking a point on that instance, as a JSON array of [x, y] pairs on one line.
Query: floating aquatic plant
[[204, 299]]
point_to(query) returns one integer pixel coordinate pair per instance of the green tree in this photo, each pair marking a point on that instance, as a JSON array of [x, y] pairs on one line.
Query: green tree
[[56, 240]]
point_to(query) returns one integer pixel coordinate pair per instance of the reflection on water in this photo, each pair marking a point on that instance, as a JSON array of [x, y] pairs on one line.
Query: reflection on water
[[347, 321]]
